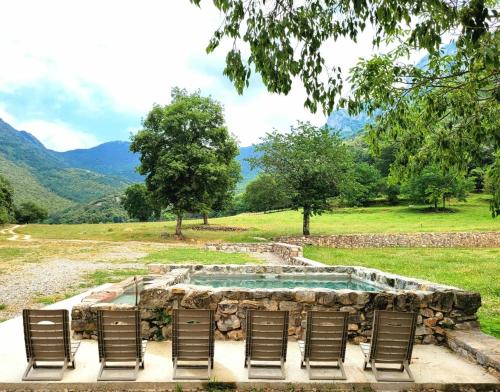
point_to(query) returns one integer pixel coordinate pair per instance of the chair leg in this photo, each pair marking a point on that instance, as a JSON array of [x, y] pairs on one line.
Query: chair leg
[[209, 368], [339, 366], [379, 377], [103, 367], [32, 365], [281, 366]]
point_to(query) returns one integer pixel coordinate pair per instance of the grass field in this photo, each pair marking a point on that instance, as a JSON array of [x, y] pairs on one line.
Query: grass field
[[473, 215], [470, 269]]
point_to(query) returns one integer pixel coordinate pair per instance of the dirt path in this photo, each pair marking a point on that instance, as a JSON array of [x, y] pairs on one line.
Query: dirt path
[[13, 235]]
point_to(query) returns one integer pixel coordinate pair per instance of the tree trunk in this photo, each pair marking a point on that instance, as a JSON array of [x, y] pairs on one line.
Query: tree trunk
[[205, 218], [435, 204], [305, 225], [178, 225], [444, 202]]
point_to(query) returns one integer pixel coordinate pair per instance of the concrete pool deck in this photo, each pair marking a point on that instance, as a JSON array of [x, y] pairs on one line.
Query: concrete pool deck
[[433, 367]]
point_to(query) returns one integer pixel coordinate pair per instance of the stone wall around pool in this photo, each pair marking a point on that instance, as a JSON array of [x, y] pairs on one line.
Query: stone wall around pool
[[439, 307]]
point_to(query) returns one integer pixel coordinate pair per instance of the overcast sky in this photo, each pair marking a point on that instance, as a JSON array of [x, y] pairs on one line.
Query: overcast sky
[[79, 73]]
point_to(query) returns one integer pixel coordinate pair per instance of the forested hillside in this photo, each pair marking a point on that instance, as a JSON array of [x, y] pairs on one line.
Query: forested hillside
[[41, 175]]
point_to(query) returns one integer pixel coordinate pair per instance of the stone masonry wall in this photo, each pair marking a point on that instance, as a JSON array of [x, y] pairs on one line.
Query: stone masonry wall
[[384, 240], [287, 252], [437, 311], [256, 247], [439, 307]]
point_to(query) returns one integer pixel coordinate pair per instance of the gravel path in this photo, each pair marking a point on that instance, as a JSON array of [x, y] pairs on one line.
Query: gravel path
[[18, 288]]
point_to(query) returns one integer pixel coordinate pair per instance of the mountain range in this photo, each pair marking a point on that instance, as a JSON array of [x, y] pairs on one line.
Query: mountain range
[[79, 180]]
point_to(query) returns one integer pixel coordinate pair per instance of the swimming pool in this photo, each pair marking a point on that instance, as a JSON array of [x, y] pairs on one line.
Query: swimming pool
[[282, 281]]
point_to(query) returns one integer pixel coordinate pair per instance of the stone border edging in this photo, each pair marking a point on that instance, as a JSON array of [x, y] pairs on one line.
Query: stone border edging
[[389, 240]]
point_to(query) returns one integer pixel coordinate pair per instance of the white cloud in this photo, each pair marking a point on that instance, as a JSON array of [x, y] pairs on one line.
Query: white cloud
[[58, 135], [55, 135], [133, 52]]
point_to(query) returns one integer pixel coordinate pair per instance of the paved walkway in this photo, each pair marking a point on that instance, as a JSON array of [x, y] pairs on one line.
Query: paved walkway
[[432, 366]]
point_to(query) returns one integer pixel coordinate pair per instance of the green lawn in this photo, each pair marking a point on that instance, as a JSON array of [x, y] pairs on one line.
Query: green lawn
[[473, 215], [100, 277], [469, 269], [198, 256]]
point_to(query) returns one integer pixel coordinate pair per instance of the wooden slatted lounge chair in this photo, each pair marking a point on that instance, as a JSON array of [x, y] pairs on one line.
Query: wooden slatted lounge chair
[[192, 341], [119, 341], [266, 341], [47, 339], [393, 335], [326, 339]]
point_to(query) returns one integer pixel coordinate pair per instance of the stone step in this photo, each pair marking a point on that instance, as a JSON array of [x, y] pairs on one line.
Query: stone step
[[477, 346]]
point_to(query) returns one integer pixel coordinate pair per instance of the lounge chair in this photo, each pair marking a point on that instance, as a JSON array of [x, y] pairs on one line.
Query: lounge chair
[[392, 340], [192, 341], [266, 341], [119, 340], [326, 338], [47, 339]]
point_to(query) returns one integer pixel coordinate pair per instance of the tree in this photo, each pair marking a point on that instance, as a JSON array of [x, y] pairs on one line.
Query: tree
[[366, 185], [492, 185], [266, 193], [432, 186], [455, 90], [477, 176], [286, 39], [138, 203], [186, 153], [311, 163], [223, 192], [30, 212], [6, 201]]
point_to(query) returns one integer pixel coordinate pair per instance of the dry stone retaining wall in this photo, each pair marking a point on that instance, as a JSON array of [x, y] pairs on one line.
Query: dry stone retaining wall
[[387, 240]]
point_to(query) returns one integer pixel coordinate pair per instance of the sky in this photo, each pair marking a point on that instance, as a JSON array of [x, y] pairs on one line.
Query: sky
[[79, 73]]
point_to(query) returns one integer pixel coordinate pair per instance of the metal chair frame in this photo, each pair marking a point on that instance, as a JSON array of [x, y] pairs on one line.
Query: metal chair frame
[[393, 336], [192, 341], [266, 340], [119, 341], [47, 339], [326, 339]]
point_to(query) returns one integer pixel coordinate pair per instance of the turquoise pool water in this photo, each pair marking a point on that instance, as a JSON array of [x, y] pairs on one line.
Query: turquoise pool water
[[128, 296], [267, 281]]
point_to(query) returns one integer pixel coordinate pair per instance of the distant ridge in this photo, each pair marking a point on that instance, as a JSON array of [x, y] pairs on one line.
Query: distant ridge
[[111, 158], [44, 176]]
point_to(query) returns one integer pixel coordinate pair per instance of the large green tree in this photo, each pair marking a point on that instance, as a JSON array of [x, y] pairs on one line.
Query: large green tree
[[6, 201], [313, 164], [266, 193], [30, 212], [432, 186], [455, 92], [186, 153], [138, 203], [222, 195]]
